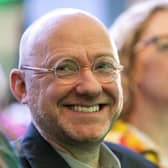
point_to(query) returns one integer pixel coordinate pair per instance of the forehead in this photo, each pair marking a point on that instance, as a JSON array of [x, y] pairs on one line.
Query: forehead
[[75, 35], [78, 32], [157, 24]]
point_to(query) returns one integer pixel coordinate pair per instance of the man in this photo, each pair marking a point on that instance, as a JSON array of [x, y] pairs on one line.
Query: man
[[69, 76]]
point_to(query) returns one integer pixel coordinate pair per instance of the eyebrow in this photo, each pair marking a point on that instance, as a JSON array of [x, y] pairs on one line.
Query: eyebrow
[[52, 59]]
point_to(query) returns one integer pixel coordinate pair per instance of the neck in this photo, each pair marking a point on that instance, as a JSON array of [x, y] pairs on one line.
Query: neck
[[151, 117], [87, 153]]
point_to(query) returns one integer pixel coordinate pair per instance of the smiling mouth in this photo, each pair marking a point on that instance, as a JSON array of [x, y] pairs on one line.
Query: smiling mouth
[[86, 109]]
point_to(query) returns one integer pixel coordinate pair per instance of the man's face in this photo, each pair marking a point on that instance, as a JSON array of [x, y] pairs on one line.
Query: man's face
[[82, 110]]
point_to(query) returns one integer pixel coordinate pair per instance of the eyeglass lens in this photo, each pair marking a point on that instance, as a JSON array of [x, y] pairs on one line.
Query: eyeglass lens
[[69, 70]]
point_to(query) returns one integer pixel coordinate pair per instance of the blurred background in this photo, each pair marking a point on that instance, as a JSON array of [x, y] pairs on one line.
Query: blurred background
[[15, 16]]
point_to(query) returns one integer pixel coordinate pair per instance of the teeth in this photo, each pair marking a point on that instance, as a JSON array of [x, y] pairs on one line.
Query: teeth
[[90, 109]]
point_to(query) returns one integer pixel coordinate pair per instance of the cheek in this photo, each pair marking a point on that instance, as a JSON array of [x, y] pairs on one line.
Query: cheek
[[120, 97], [33, 94], [153, 78], [56, 92], [151, 72], [38, 97], [116, 92], [145, 67]]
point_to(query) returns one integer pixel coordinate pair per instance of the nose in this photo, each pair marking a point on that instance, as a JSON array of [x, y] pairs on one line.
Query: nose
[[88, 85]]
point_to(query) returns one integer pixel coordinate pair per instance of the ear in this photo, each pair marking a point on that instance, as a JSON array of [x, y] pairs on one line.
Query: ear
[[17, 85]]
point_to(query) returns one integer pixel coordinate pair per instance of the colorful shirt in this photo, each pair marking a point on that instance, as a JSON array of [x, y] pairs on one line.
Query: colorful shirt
[[129, 136]]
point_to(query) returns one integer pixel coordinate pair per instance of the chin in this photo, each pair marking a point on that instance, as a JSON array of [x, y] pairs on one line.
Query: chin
[[86, 134], [84, 139]]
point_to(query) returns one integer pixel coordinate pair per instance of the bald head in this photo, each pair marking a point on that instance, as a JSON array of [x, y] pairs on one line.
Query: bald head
[[57, 27]]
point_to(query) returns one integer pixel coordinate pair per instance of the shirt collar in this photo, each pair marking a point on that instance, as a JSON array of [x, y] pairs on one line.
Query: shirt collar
[[107, 159]]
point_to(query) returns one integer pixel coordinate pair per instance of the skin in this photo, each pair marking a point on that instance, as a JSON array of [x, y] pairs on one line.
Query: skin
[[81, 36], [151, 85]]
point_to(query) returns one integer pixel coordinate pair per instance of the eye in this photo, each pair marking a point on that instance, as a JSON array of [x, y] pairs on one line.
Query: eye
[[163, 44], [67, 68], [104, 66]]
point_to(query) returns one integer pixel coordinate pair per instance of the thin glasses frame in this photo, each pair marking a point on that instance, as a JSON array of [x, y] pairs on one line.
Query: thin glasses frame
[[117, 69]]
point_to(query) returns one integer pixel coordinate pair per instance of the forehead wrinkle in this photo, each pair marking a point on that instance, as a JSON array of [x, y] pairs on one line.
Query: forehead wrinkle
[[49, 61], [89, 51]]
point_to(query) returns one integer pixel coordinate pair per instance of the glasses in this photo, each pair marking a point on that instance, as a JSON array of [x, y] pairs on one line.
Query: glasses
[[161, 43], [68, 70]]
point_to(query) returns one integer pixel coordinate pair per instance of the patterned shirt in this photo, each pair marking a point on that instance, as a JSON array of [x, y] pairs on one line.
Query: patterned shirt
[[131, 137]]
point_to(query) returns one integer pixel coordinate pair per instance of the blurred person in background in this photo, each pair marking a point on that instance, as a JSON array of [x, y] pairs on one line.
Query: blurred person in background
[[15, 119], [141, 35]]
